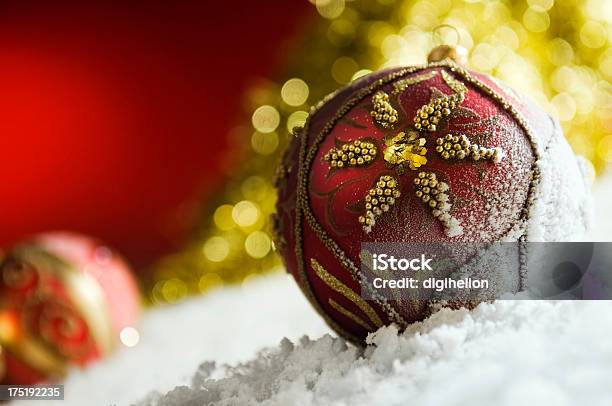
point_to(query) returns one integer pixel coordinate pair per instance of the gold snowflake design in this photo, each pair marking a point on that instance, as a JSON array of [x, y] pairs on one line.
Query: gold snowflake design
[[407, 150]]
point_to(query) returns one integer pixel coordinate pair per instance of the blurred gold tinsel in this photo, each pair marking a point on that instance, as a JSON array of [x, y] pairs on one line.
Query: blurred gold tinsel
[[556, 52]]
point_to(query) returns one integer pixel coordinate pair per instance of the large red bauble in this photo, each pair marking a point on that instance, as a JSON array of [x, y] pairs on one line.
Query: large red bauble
[[64, 300], [422, 154], [113, 117]]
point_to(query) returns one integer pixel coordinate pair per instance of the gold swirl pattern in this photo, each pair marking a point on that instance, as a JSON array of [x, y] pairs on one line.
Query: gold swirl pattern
[[403, 84], [345, 291], [358, 320], [17, 275], [54, 327], [458, 87], [60, 327]]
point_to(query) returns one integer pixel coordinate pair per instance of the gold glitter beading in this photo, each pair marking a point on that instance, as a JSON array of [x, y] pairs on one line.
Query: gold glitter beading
[[428, 116], [403, 84], [383, 112], [379, 200], [460, 147], [351, 154]]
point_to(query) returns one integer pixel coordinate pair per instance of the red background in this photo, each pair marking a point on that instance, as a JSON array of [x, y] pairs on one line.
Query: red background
[[112, 118]]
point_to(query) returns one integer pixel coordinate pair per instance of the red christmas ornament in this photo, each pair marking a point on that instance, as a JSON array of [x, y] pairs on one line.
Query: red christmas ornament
[[434, 153], [64, 299]]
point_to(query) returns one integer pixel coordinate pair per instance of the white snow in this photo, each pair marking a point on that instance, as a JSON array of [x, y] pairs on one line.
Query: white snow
[[504, 353], [507, 353]]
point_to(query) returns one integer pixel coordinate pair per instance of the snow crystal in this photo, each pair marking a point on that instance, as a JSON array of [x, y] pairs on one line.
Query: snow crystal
[[505, 353], [454, 228], [562, 207]]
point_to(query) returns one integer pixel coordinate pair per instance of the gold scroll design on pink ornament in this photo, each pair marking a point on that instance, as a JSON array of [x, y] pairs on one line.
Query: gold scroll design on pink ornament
[[46, 311]]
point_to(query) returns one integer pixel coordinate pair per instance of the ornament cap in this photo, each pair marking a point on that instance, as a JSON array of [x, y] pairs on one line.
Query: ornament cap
[[441, 52]]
